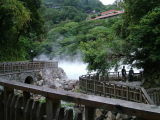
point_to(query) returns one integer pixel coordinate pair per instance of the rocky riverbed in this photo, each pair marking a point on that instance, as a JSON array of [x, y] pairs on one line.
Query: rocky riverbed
[[102, 114], [56, 79]]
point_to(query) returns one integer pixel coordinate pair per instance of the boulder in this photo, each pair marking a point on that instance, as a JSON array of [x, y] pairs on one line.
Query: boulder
[[110, 116]]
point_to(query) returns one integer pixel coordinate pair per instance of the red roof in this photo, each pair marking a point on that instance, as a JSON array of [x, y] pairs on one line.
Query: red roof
[[109, 13]]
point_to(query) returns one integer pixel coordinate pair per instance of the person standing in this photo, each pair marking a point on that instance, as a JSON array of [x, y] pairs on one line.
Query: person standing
[[124, 73], [131, 74]]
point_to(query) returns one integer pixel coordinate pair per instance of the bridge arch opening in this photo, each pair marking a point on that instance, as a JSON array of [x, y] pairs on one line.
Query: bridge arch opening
[[28, 80]]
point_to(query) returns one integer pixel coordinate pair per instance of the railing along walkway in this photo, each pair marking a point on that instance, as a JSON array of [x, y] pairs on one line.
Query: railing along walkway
[[17, 67], [113, 90], [14, 107], [154, 93], [113, 76]]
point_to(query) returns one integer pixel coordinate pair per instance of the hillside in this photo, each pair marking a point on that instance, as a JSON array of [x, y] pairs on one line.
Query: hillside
[[86, 5], [57, 11]]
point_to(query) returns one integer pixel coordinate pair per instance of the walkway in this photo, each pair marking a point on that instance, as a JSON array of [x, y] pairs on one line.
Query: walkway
[[108, 87], [132, 97], [11, 105]]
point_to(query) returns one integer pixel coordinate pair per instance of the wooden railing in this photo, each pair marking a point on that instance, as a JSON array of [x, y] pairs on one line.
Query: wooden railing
[[10, 67], [113, 76], [89, 84], [154, 93], [15, 107]]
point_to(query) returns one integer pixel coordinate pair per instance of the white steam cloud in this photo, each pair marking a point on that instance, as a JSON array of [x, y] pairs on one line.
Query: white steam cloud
[[73, 69]]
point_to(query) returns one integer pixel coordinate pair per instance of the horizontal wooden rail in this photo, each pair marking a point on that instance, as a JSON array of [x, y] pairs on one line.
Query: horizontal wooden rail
[[10, 67], [154, 93], [113, 76], [148, 112], [114, 90]]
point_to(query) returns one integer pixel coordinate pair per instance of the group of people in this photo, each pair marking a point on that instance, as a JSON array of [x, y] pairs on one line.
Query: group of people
[[130, 74]]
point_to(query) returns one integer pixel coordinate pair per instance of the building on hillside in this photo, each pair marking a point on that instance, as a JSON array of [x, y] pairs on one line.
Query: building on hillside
[[108, 14]]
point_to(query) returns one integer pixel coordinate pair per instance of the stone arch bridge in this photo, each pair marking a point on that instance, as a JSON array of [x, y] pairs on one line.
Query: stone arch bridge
[[25, 72]]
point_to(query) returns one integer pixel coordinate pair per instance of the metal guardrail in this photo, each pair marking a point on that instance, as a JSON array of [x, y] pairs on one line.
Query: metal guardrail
[[10, 67], [89, 84], [30, 109]]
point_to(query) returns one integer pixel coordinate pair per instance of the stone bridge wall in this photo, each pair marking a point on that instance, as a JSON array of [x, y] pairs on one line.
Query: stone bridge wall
[[20, 71], [21, 76]]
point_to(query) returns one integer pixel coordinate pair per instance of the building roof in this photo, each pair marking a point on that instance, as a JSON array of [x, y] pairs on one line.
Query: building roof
[[107, 14]]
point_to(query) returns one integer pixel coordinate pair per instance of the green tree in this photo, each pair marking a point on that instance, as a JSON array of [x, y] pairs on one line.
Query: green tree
[[145, 41], [140, 29], [20, 27], [14, 18], [102, 51]]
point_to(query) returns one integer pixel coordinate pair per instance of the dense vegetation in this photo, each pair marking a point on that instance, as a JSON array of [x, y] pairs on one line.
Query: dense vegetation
[[20, 25], [141, 31], [95, 40], [22, 22], [58, 28], [58, 11], [69, 33]]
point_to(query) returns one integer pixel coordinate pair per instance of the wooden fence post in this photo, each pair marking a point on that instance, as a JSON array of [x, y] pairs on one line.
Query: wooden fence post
[[1, 106], [78, 116], [104, 90], [115, 91], [86, 85], [127, 93], [7, 92], [52, 107], [118, 76], [94, 83], [68, 114], [60, 115], [4, 68], [89, 113]]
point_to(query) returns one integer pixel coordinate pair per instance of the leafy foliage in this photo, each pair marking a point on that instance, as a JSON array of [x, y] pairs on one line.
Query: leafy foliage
[[141, 31], [145, 38], [19, 21], [14, 18], [58, 11], [94, 39]]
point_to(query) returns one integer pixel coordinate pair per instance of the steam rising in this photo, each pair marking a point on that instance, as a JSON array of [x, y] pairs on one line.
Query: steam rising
[[73, 69]]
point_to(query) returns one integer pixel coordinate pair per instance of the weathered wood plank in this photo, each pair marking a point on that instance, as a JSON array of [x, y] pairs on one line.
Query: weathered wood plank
[[18, 109], [149, 112], [89, 113], [147, 96], [112, 89], [52, 106], [11, 67], [1, 106], [68, 114]]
